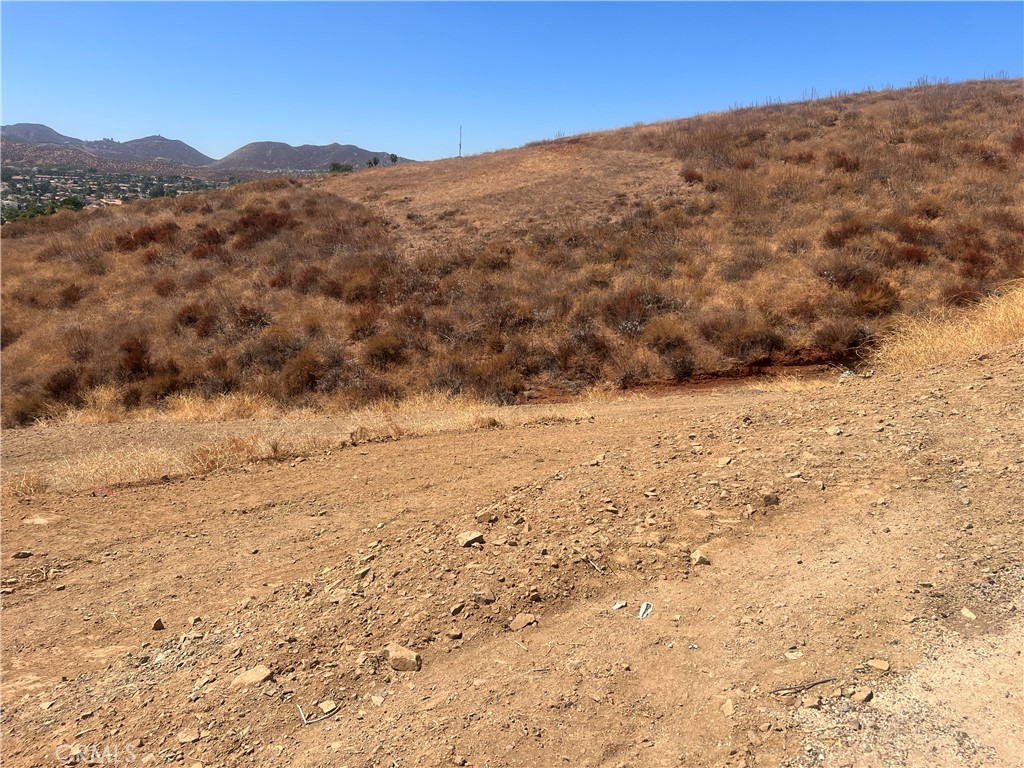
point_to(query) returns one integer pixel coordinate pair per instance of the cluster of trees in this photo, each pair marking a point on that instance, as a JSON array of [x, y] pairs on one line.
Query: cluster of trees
[[373, 162], [33, 208]]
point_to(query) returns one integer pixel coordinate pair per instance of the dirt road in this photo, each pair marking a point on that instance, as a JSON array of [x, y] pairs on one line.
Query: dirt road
[[855, 600]]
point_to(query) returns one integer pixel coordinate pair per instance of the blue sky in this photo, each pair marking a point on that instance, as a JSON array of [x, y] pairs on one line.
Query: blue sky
[[402, 77]]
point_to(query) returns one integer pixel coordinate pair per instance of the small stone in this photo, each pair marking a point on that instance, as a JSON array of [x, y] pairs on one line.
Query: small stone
[[377, 700], [457, 608], [728, 708], [863, 695], [835, 431], [158, 625], [21, 555], [253, 676], [698, 558], [725, 461], [770, 499], [327, 705], [522, 621], [188, 736], [968, 614], [811, 702], [454, 634], [195, 620], [483, 597], [597, 460], [362, 573], [764, 727], [879, 664], [485, 516], [402, 659], [469, 538]]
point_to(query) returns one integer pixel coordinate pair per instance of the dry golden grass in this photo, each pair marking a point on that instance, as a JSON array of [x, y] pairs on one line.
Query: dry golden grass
[[280, 437], [784, 234], [955, 335]]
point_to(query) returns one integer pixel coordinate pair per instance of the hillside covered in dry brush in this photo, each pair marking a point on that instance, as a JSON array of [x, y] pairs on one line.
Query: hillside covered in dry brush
[[777, 234]]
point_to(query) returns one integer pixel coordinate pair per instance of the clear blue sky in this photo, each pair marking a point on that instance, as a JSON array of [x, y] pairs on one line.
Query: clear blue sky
[[402, 77]]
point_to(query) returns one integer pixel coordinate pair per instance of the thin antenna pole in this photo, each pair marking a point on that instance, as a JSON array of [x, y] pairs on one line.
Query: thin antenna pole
[[460, 141]]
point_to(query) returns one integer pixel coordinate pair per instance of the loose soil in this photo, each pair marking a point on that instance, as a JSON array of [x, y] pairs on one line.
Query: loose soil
[[864, 537]]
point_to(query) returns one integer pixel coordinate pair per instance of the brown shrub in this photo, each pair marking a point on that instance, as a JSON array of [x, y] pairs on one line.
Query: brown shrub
[[692, 176], [740, 333], [628, 310], [64, 386], [21, 410], [8, 335], [302, 373], [275, 345], [854, 226], [841, 161], [383, 349], [256, 225], [837, 336], [281, 279], [307, 280], [70, 295], [250, 318], [165, 286], [164, 232], [135, 362], [671, 338]]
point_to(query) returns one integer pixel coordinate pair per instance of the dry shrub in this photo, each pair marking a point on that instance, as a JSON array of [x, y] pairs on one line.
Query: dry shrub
[[384, 349], [671, 338], [854, 226], [8, 335], [740, 332], [841, 161], [164, 233], [838, 336], [165, 286], [135, 362], [70, 295], [271, 349], [628, 309]]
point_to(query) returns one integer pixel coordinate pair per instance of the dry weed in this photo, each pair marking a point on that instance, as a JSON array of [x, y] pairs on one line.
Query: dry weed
[[957, 334]]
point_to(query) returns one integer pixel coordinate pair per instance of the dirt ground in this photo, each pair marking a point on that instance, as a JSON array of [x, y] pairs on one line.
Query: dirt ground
[[855, 600]]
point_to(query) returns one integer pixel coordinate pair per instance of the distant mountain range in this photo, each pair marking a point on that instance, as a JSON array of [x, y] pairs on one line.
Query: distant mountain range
[[36, 144]]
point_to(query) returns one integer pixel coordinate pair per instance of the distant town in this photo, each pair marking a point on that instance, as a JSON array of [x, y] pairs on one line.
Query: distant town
[[37, 191]]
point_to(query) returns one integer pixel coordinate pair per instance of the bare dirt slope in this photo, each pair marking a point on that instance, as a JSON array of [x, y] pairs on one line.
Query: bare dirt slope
[[864, 541]]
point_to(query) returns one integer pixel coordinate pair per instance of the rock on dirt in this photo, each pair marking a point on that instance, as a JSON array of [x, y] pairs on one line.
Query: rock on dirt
[[863, 695], [469, 538], [699, 558], [522, 621], [402, 659], [253, 676]]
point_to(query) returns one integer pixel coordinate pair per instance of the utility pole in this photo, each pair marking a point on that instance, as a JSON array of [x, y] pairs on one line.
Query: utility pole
[[460, 141]]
